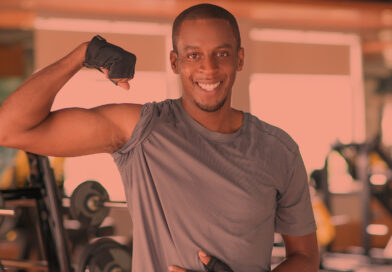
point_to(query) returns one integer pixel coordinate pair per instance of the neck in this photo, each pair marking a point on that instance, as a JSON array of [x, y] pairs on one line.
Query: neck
[[225, 120]]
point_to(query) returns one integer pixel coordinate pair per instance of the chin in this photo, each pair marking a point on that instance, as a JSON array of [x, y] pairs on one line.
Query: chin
[[211, 108]]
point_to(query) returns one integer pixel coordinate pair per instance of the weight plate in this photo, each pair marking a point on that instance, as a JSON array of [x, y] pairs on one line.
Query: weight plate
[[87, 203], [114, 259], [105, 255]]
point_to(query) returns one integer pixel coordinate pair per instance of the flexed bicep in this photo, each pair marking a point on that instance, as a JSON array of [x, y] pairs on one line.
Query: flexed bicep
[[76, 131]]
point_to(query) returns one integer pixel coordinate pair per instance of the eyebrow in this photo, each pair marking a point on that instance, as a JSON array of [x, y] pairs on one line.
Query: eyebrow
[[226, 45], [191, 47]]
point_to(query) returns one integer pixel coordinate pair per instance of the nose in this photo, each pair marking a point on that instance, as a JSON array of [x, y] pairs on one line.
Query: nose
[[209, 64]]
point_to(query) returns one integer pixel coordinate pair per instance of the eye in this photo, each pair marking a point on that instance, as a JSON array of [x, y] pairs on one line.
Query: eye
[[192, 56], [223, 54]]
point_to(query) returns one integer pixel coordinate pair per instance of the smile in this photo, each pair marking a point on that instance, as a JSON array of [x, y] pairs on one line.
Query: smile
[[208, 86]]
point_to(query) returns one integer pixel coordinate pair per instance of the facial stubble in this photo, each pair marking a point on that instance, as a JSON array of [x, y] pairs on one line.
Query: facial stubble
[[212, 108]]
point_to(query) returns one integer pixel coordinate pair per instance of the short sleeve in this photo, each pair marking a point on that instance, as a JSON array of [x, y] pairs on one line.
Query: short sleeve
[[141, 130], [294, 214]]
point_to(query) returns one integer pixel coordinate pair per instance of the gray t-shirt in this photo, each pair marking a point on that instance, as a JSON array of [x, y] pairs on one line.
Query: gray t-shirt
[[189, 188]]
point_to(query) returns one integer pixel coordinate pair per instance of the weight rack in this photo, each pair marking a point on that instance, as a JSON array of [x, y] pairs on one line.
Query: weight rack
[[48, 198]]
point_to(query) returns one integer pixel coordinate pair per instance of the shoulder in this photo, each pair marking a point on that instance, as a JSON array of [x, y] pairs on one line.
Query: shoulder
[[272, 135], [164, 111], [160, 107], [131, 111], [144, 121]]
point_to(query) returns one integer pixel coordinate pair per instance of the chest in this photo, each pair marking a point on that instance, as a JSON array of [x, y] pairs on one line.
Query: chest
[[217, 182]]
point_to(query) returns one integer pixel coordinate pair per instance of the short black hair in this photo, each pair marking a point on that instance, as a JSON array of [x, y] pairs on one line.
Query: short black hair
[[205, 11]]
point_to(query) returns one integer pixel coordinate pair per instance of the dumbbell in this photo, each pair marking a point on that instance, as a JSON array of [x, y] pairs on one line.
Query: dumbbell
[[90, 204]]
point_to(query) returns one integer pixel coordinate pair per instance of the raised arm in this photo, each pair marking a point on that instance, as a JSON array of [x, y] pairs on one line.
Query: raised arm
[[26, 121]]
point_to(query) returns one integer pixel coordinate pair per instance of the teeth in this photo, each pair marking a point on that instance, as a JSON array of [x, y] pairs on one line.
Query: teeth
[[208, 87]]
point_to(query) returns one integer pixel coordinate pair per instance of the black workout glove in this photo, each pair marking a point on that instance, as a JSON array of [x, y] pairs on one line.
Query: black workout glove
[[120, 63], [215, 265]]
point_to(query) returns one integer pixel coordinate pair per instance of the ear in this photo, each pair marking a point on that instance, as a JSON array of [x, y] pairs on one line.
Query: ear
[[174, 61], [240, 58]]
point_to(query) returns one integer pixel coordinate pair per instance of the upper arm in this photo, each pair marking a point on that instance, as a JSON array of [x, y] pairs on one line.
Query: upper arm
[[305, 245], [76, 131], [294, 213]]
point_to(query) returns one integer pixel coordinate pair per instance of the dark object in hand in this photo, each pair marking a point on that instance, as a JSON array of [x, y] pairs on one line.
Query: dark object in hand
[[100, 53], [216, 265]]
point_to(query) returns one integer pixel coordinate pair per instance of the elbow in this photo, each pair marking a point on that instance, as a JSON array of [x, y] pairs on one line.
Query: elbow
[[9, 136], [15, 140], [7, 139], [3, 136], [4, 133], [4, 139]]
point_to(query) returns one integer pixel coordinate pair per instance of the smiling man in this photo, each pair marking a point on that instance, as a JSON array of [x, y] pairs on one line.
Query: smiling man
[[198, 174]]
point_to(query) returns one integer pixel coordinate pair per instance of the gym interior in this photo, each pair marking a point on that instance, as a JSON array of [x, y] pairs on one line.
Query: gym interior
[[319, 69]]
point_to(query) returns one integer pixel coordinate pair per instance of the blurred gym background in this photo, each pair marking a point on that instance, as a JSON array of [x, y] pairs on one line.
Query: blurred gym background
[[319, 69]]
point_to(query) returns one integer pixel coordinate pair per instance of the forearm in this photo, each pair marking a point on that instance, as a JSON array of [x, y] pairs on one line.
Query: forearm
[[30, 104], [298, 262]]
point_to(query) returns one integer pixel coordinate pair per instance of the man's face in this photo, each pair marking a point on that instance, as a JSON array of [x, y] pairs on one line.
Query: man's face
[[207, 60]]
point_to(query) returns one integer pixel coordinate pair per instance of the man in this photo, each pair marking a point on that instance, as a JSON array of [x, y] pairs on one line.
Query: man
[[202, 179]]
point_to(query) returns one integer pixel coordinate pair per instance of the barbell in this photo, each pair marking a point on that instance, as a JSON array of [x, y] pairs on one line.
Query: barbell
[[90, 203]]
